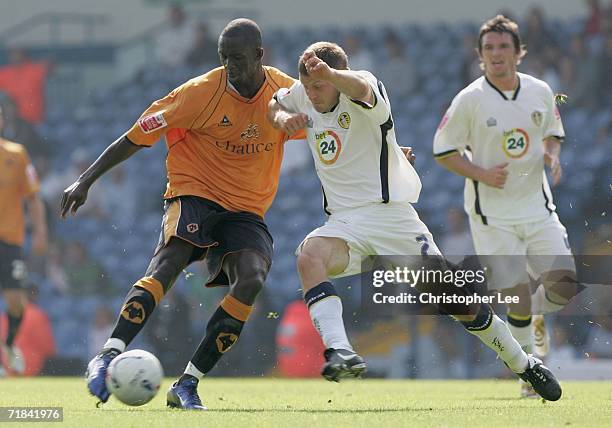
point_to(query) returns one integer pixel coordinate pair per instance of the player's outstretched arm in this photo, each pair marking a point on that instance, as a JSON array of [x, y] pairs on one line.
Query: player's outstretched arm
[[75, 195], [283, 119], [348, 82], [495, 176]]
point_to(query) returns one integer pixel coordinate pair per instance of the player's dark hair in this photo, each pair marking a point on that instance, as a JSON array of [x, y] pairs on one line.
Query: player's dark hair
[[245, 28], [501, 24], [330, 53]]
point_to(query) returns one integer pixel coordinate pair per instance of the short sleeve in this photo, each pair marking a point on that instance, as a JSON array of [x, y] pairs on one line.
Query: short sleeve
[[453, 132], [179, 109], [289, 98], [381, 109]]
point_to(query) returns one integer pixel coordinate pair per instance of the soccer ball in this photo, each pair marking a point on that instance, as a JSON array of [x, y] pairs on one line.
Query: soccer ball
[[134, 377]]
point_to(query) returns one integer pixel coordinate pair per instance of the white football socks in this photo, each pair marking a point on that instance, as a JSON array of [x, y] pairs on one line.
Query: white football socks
[[326, 315], [193, 371], [523, 335], [115, 344], [497, 336]]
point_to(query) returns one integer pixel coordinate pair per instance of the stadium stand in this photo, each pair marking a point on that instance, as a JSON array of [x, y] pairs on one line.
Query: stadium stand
[[122, 244]]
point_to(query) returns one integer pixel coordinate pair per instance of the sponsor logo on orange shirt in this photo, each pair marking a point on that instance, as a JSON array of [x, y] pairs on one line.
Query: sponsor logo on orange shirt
[[245, 149], [149, 124], [252, 131]]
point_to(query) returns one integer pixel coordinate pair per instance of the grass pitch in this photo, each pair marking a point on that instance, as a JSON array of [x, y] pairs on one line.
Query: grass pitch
[[316, 403]]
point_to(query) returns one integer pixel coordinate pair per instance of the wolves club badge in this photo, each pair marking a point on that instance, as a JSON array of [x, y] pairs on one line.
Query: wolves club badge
[[225, 341], [133, 312], [536, 116]]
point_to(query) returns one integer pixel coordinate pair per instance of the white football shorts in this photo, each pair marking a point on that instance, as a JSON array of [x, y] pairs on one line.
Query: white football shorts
[[378, 229], [520, 251]]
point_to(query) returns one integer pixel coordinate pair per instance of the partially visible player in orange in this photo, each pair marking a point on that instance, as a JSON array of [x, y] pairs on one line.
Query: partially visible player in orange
[[18, 187], [223, 167]]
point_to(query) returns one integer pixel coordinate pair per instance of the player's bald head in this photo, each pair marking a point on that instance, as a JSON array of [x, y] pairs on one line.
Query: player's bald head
[[245, 29], [241, 53]]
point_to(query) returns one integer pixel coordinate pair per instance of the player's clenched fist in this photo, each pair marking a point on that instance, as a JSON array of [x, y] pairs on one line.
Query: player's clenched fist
[[316, 68], [495, 176], [290, 123]]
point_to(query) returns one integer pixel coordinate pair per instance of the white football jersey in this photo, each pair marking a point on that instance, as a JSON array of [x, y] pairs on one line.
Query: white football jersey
[[492, 127], [356, 155]]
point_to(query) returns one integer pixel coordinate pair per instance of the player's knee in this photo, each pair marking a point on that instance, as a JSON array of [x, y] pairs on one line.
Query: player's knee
[[247, 272], [249, 283], [255, 278], [167, 265], [309, 260]]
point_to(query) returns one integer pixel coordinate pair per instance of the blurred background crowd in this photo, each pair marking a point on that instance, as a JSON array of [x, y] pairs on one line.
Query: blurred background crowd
[[65, 122]]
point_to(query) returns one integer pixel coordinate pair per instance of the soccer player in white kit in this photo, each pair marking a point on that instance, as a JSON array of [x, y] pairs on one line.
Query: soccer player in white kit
[[498, 133], [368, 187]]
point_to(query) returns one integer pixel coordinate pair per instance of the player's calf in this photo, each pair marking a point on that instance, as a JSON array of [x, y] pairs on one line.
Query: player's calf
[[222, 332], [147, 292], [318, 259], [139, 304], [494, 333], [246, 272]]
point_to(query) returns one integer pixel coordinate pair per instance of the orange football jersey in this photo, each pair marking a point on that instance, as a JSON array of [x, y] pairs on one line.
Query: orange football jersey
[[18, 181], [220, 145]]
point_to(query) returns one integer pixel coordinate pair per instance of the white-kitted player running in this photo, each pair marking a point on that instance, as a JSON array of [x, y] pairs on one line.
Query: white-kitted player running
[[498, 133], [368, 187]]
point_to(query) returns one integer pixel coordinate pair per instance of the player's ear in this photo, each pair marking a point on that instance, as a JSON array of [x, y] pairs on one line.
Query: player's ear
[[259, 53]]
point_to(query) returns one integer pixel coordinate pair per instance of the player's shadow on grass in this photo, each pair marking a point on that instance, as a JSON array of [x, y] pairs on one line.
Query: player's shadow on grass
[[288, 410], [299, 410], [511, 399]]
